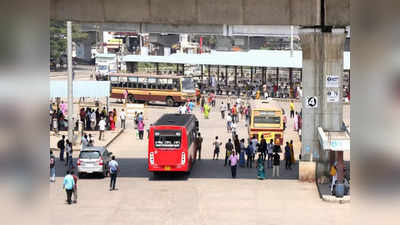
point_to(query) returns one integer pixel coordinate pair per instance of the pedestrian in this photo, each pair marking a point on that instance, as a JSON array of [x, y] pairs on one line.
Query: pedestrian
[[203, 101], [284, 121], [292, 160], [296, 122], [75, 191], [141, 129], [52, 167], [90, 140], [217, 145], [84, 141], [55, 124], [199, 141], [122, 116], [229, 123], [93, 120], [242, 160], [233, 160], [228, 151], [114, 171], [263, 147], [68, 186], [112, 121], [260, 167], [102, 128], [61, 146], [70, 164], [276, 163], [222, 108], [67, 151], [206, 110], [291, 109], [288, 159], [249, 152], [270, 151]]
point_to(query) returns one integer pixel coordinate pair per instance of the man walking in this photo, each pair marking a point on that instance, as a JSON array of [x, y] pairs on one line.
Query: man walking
[[222, 109], [228, 150], [233, 159], [288, 159], [216, 144], [291, 109], [68, 185], [102, 128], [52, 167], [114, 171], [61, 146], [199, 141], [122, 116], [263, 147], [75, 192], [270, 148], [277, 162]]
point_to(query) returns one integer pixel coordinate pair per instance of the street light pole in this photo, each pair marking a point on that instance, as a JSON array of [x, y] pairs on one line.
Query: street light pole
[[70, 84]]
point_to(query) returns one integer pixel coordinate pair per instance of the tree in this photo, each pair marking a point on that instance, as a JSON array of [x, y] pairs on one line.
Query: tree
[[58, 37]]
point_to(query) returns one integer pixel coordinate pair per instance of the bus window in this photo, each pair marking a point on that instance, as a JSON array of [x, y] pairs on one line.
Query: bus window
[[187, 84], [123, 81], [132, 81], [114, 81], [142, 82], [152, 83], [163, 83], [169, 84], [158, 84], [167, 139], [177, 84]]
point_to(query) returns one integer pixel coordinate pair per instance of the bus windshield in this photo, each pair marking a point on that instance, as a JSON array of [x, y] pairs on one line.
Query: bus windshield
[[266, 117], [187, 84], [167, 139]]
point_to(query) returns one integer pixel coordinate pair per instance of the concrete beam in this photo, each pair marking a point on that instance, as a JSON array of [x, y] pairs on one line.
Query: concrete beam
[[183, 29], [240, 12]]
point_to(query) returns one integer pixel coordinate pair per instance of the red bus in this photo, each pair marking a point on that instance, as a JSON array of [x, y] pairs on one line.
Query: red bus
[[172, 143]]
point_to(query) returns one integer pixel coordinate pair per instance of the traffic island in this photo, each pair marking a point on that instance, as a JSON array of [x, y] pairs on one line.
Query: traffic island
[[307, 171]]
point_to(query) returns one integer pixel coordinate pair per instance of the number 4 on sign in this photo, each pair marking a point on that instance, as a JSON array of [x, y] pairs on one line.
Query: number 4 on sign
[[311, 102]]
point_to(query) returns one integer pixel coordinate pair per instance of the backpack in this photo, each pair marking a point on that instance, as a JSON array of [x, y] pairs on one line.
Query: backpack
[[59, 144]]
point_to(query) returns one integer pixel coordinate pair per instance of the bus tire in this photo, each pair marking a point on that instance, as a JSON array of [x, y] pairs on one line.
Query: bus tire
[[131, 98], [170, 101]]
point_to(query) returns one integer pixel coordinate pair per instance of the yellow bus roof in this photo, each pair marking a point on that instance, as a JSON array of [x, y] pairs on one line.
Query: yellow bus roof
[[265, 105]]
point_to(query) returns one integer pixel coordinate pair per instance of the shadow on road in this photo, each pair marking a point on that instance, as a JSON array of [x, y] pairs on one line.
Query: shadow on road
[[206, 168]]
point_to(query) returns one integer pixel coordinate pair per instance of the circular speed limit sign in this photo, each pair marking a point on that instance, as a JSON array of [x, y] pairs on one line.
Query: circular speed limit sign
[[311, 102]]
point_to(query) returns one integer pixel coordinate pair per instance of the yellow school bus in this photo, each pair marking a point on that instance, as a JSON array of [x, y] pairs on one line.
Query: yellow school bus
[[266, 119]]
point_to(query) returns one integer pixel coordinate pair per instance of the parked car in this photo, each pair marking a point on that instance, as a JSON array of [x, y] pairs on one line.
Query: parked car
[[94, 160]]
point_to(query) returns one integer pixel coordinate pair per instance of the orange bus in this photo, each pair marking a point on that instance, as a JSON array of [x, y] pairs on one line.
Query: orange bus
[[170, 89], [172, 143]]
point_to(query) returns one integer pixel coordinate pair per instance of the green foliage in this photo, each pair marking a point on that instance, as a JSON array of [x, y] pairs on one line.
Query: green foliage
[[58, 37]]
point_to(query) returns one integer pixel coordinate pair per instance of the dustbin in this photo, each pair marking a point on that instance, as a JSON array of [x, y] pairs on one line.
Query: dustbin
[[339, 190]]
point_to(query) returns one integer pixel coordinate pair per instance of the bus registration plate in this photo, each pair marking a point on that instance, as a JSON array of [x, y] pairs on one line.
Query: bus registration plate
[[167, 168]]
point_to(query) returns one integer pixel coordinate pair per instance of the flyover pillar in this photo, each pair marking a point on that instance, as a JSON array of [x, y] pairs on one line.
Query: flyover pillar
[[322, 76]]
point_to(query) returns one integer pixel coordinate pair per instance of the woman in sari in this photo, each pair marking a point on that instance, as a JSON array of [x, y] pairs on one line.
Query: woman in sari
[[112, 123], [206, 110], [115, 116], [292, 159]]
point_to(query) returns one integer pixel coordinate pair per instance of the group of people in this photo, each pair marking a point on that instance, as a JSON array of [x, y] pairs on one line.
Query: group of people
[[186, 108], [57, 120], [237, 153], [91, 118], [65, 146]]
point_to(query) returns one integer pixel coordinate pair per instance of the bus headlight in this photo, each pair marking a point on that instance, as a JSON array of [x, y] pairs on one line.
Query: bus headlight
[[151, 158], [183, 160]]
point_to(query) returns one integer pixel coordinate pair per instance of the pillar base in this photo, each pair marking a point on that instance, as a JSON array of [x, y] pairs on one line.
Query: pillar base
[[307, 171]]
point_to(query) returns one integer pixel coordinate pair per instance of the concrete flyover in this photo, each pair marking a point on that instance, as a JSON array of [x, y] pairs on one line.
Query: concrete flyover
[[239, 12]]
